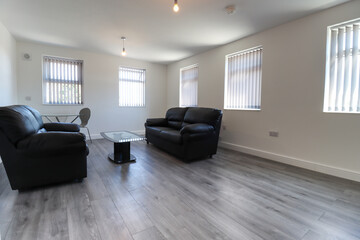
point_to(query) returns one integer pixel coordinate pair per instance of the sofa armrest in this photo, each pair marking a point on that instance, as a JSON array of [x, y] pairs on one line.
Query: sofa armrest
[[62, 127], [197, 128], [60, 142], [156, 122]]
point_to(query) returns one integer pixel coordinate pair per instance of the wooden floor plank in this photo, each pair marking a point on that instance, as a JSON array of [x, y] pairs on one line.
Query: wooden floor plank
[[132, 213], [29, 208], [94, 186], [149, 234], [4, 226], [81, 218], [311, 235], [110, 224]]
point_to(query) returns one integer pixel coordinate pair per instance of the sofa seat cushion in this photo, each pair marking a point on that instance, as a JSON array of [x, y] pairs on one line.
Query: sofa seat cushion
[[156, 130], [171, 135], [62, 127], [41, 144]]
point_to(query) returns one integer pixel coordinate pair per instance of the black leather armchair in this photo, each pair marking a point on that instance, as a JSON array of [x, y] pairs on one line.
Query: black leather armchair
[[35, 153], [188, 133]]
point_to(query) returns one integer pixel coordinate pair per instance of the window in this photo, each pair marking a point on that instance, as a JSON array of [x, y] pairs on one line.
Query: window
[[189, 86], [342, 83], [243, 80], [131, 87], [62, 81]]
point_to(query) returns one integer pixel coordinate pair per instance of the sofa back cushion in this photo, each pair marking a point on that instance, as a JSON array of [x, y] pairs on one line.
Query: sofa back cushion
[[37, 116], [209, 116], [19, 121], [175, 117]]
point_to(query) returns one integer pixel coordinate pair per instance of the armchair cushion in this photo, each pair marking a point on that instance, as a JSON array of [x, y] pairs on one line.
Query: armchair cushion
[[197, 128], [60, 142], [64, 127], [162, 122]]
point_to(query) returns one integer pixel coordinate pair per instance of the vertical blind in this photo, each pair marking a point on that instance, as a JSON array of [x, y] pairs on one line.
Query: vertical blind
[[243, 80], [131, 87], [189, 86], [342, 90], [62, 81]]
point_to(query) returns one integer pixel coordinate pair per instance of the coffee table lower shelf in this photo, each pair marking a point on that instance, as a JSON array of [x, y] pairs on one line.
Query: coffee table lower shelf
[[121, 153]]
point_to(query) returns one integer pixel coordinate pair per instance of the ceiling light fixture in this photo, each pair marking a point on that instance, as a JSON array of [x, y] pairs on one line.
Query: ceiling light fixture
[[176, 6], [230, 9], [123, 51]]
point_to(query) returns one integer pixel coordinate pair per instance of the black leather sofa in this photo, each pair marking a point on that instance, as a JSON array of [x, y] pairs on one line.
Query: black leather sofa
[[35, 154], [188, 133]]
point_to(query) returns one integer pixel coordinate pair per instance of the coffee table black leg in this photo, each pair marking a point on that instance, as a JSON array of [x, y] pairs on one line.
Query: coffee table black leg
[[122, 153]]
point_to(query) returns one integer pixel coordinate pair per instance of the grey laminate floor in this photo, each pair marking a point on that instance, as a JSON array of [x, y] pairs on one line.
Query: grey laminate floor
[[232, 196]]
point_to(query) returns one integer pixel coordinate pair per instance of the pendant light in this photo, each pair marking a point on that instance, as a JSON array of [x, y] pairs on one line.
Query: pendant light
[[123, 53], [176, 6]]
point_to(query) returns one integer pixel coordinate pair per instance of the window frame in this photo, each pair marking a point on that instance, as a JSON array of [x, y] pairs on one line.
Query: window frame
[[144, 82], [180, 88], [43, 88], [328, 66], [226, 78]]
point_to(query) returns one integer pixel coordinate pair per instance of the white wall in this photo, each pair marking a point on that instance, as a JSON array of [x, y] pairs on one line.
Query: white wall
[[7, 67], [101, 92], [292, 97]]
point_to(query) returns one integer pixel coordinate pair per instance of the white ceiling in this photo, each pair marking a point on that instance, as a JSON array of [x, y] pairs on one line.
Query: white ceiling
[[154, 32]]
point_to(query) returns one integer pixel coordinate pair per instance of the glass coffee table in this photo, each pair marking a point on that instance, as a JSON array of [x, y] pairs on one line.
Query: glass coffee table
[[121, 140]]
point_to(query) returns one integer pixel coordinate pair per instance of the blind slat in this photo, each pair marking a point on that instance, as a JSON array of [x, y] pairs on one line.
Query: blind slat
[[340, 70], [346, 97], [355, 77]]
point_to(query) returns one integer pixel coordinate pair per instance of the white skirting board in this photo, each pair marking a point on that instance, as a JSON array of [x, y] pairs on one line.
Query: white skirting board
[[335, 171]]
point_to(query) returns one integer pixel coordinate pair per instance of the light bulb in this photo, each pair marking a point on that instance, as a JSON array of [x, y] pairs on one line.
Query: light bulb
[[123, 51], [176, 7]]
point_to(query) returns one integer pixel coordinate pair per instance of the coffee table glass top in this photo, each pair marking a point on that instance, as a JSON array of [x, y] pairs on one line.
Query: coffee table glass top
[[121, 136]]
